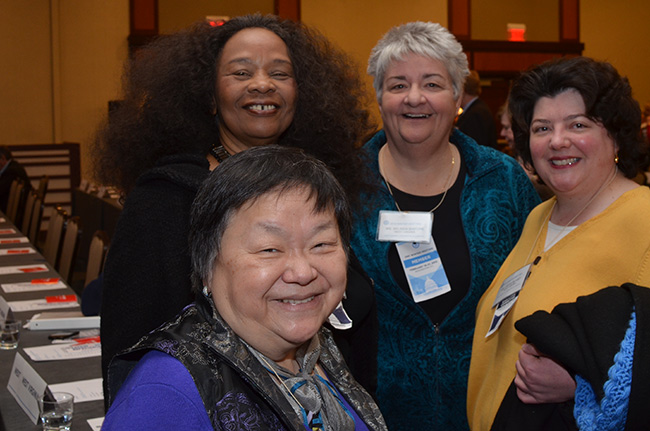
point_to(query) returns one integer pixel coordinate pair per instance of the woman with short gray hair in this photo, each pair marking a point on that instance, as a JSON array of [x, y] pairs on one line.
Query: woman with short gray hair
[[430, 276]]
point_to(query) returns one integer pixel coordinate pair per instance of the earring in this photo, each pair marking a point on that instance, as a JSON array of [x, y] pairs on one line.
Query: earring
[[616, 159], [206, 292]]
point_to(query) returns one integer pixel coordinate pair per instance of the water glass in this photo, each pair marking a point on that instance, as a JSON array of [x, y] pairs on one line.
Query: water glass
[[9, 334], [56, 411]]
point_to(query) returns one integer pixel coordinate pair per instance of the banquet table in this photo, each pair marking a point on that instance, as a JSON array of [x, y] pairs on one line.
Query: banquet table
[[12, 417]]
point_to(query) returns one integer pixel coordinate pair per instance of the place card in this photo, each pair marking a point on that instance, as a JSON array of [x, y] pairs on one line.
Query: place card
[[8, 231], [26, 386], [17, 251], [96, 423], [39, 304], [33, 286], [20, 240], [22, 269], [5, 310]]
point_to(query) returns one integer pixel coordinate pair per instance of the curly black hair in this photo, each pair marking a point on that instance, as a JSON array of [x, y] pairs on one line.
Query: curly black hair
[[607, 97], [169, 94]]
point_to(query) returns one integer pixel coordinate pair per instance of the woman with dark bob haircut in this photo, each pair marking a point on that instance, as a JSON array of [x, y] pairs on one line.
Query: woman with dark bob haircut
[[191, 99], [575, 122], [269, 239], [607, 98]]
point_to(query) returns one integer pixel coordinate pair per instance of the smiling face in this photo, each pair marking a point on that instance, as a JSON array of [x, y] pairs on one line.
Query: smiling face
[[280, 273], [417, 103], [571, 153], [256, 90]]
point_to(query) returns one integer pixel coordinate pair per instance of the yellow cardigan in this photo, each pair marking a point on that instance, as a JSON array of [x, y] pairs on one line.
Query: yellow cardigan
[[607, 250]]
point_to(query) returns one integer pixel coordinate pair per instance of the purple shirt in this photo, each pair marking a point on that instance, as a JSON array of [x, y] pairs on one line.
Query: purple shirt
[[160, 394]]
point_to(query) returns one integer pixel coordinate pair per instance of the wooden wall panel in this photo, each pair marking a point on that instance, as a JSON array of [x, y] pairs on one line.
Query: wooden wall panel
[[287, 9], [569, 20], [459, 19]]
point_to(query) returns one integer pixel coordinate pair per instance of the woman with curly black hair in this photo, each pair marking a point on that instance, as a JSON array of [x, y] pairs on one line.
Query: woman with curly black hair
[[203, 94]]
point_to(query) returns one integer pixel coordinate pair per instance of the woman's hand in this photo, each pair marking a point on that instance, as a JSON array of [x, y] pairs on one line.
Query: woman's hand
[[540, 379]]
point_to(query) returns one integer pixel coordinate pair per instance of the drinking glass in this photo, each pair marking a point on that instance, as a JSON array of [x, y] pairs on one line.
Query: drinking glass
[[9, 334], [56, 411]]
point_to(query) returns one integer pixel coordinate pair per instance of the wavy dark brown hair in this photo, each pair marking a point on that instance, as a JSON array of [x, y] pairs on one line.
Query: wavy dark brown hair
[[169, 93], [607, 97]]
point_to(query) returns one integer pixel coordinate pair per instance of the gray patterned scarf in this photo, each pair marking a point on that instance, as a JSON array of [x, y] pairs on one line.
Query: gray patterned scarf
[[311, 395]]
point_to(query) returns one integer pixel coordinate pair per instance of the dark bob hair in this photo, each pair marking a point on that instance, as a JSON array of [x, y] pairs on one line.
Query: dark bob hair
[[247, 176], [607, 97]]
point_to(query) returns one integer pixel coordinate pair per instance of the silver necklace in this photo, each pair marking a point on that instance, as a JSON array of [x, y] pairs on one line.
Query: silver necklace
[[390, 190], [548, 219]]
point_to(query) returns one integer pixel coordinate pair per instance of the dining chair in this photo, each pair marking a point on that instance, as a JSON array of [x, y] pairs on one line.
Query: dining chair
[[97, 251], [15, 193], [12, 194], [42, 186], [35, 221], [52, 246], [29, 209], [69, 248]]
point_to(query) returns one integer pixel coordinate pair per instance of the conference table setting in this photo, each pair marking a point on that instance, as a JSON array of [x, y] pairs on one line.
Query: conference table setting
[[53, 354]]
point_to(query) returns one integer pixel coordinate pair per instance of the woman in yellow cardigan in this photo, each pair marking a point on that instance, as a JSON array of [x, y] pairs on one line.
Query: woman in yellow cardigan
[[576, 124]]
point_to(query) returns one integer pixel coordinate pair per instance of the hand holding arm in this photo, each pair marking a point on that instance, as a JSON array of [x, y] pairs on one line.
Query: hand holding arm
[[540, 379]]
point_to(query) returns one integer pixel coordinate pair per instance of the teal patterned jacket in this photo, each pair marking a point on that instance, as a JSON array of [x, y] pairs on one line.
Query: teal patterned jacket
[[422, 367]]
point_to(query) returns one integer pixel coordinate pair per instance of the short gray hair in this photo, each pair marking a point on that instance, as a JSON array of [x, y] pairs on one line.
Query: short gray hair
[[423, 38]]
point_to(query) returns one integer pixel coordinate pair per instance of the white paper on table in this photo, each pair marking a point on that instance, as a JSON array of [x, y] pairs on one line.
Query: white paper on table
[[28, 286], [26, 386], [57, 352], [22, 269], [7, 231], [3, 220], [39, 304], [18, 251], [18, 240], [96, 423], [86, 333], [83, 390]]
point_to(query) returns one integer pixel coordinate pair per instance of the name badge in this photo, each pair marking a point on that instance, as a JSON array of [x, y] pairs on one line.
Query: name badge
[[423, 268], [396, 226], [339, 318], [507, 296]]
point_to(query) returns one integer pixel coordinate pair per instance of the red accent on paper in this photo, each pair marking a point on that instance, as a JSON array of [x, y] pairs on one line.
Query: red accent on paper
[[36, 269], [61, 298], [45, 281], [19, 251], [87, 340], [10, 241], [7, 231]]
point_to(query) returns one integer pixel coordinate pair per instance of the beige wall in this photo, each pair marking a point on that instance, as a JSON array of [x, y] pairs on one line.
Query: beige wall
[[61, 63], [26, 77], [356, 26], [62, 59], [618, 32], [92, 49]]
